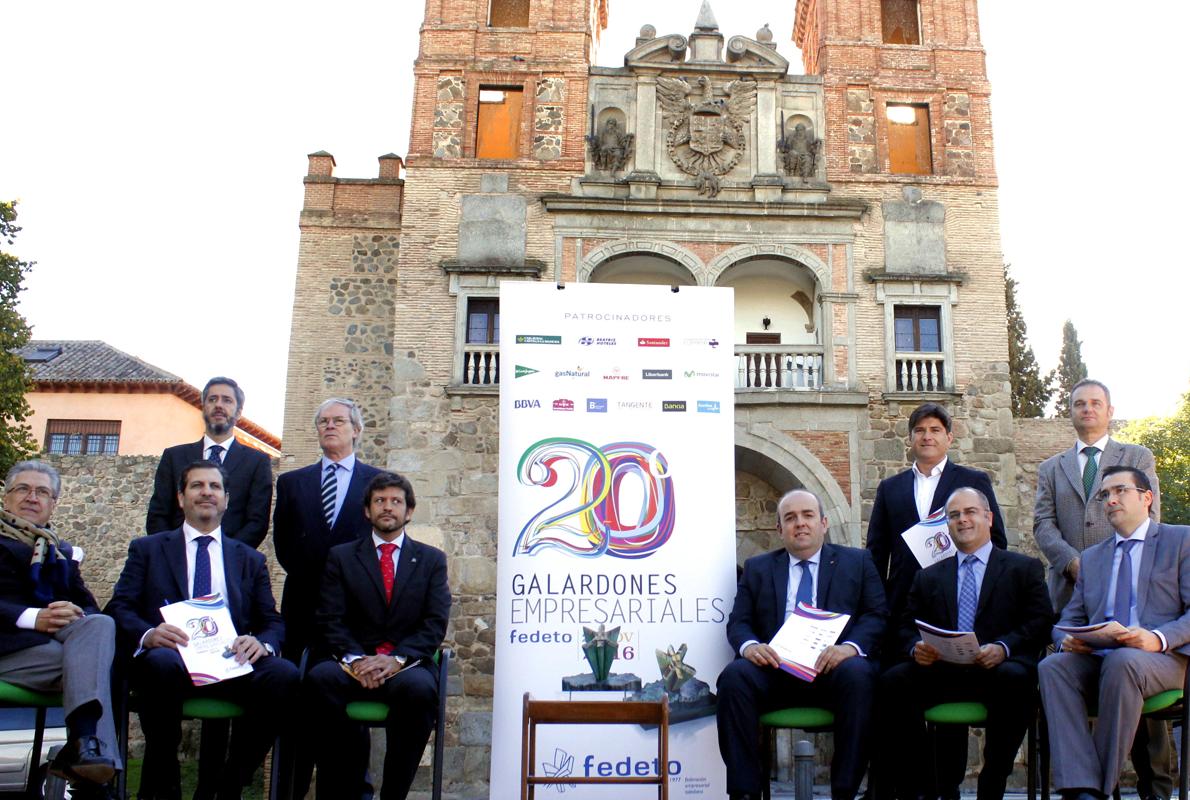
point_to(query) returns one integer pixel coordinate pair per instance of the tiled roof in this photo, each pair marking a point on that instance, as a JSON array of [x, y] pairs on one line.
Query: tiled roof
[[90, 362]]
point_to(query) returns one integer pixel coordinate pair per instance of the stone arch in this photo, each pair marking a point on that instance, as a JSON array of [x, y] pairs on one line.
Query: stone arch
[[787, 464], [793, 252], [623, 247]]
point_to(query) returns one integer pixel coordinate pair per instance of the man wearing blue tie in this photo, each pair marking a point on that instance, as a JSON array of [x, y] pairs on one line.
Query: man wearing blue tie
[[1140, 577]]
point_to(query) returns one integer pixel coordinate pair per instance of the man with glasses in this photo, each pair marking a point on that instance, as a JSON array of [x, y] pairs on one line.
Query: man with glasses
[[1140, 578], [52, 636], [1066, 522]]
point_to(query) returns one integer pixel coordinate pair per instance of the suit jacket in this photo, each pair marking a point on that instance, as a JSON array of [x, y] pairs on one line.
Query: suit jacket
[[353, 616], [895, 511], [155, 575], [16, 594], [1064, 523], [847, 583], [1013, 607], [1163, 588], [249, 486], [302, 538]]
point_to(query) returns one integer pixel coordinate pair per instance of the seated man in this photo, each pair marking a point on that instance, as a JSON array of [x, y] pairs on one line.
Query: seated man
[[1002, 597], [194, 561], [52, 636], [1145, 588], [383, 611], [826, 576]]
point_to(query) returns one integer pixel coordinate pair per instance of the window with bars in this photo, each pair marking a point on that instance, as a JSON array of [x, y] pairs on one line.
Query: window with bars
[[82, 437]]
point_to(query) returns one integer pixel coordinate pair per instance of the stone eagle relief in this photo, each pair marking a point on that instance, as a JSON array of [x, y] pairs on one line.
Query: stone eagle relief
[[707, 137]]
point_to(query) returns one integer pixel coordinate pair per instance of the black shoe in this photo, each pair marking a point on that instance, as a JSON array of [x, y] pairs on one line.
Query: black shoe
[[81, 761]]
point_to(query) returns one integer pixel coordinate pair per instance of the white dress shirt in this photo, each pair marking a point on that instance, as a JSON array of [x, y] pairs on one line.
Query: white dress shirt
[[1117, 556], [208, 442], [1082, 456], [214, 550], [343, 471], [924, 487]]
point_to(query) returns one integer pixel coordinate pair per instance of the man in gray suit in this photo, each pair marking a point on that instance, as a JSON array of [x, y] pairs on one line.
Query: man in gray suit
[[1140, 578], [1065, 523]]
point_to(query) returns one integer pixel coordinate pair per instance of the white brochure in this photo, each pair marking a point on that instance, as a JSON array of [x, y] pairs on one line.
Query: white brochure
[[957, 647], [208, 656], [929, 540]]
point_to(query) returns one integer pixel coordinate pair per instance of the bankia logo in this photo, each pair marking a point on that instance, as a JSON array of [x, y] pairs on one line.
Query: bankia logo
[[597, 405], [526, 404], [577, 372], [537, 338], [563, 404], [615, 375], [598, 341], [522, 371], [673, 405], [698, 373], [701, 341], [708, 406], [651, 341], [657, 374], [634, 405]]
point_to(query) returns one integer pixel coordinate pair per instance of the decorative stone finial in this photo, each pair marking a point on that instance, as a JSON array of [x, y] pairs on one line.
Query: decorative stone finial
[[764, 35], [647, 32], [706, 18]]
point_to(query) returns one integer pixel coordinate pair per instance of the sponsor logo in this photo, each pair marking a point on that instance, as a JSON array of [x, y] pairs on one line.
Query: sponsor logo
[[597, 405], [615, 375], [577, 372], [522, 371], [708, 406], [526, 404], [634, 405], [563, 405], [534, 338], [651, 341], [712, 343], [694, 373], [599, 341], [657, 374], [673, 405]]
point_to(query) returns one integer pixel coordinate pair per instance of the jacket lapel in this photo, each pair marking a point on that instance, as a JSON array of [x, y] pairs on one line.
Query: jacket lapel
[[231, 578], [1069, 464], [1149, 554], [991, 574], [826, 570], [942, 490], [370, 563], [174, 545], [407, 564], [950, 591], [235, 455], [1102, 577], [780, 568], [313, 496], [353, 498]]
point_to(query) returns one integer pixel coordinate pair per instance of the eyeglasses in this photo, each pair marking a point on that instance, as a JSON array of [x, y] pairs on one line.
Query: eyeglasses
[[1116, 491], [332, 422], [23, 489]]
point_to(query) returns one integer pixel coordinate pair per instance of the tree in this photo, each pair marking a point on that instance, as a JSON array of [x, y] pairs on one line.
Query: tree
[[1070, 371], [1169, 439], [16, 440], [1030, 393]]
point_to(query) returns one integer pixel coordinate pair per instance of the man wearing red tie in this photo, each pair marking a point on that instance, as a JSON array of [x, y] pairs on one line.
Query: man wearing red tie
[[383, 611]]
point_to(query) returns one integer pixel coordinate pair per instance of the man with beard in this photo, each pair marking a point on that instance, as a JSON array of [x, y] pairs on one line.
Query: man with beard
[[383, 611], [249, 473]]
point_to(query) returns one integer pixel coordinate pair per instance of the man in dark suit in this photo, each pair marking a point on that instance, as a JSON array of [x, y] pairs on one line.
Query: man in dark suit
[[249, 472], [383, 611], [1140, 578], [194, 561], [1001, 597], [826, 576], [52, 636]]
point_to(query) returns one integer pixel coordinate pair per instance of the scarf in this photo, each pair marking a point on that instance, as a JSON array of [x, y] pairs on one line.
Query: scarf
[[49, 570]]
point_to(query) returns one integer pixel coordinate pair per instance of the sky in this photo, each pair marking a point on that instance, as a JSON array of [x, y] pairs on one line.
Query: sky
[[157, 151]]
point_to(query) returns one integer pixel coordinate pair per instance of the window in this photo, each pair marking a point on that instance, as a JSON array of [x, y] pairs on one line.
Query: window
[[899, 22], [483, 320], [909, 139], [918, 329], [508, 14], [497, 132], [77, 437], [479, 356]]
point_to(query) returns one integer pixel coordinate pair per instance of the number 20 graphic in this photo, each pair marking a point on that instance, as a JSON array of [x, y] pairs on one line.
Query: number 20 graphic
[[594, 523]]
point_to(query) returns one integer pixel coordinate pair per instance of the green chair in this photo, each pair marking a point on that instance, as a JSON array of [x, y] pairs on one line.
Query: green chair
[[975, 715], [811, 719], [13, 696]]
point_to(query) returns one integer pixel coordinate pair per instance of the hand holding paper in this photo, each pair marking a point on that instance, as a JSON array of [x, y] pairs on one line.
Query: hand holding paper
[[929, 540], [202, 632], [803, 638]]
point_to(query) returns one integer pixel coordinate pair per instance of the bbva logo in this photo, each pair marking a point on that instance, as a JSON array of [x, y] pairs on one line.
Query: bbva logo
[[526, 404]]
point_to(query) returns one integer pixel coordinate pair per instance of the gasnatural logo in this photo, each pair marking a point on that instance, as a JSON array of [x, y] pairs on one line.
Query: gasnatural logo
[[649, 341], [657, 374], [673, 405], [601, 341], [522, 371], [535, 338], [693, 373], [708, 406], [712, 343], [526, 404], [597, 405], [577, 372], [563, 405]]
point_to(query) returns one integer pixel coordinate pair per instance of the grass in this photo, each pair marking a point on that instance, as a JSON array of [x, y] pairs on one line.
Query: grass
[[255, 791]]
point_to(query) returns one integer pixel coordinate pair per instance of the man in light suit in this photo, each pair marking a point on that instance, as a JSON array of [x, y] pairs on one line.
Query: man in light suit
[[196, 560], [383, 611], [832, 577], [1066, 522], [1000, 596], [1141, 578], [249, 472]]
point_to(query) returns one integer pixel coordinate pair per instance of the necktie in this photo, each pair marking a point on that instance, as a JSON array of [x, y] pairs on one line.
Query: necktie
[[330, 489], [202, 567], [967, 597], [388, 570], [213, 454], [1092, 466], [1122, 610], [805, 587]]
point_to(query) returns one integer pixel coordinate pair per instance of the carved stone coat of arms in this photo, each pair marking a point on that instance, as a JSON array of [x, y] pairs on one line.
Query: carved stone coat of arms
[[707, 136]]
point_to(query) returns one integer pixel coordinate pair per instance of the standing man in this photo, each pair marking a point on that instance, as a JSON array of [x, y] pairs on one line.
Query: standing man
[[319, 506], [832, 577], [52, 636], [194, 561], [1066, 521], [1140, 577], [383, 611], [250, 475], [1001, 597]]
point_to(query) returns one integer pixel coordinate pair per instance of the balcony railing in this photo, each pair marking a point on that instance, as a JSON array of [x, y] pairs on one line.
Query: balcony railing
[[921, 372], [481, 365], [778, 366]]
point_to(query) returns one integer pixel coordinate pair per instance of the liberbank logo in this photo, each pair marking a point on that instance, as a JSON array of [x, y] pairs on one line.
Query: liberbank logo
[[708, 406], [522, 371], [657, 374], [673, 405], [650, 341], [535, 338]]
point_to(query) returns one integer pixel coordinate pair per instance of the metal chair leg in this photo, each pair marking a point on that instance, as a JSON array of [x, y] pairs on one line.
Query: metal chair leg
[[32, 786]]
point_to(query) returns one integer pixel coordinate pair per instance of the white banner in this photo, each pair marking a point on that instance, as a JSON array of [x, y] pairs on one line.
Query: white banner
[[617, 509]]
